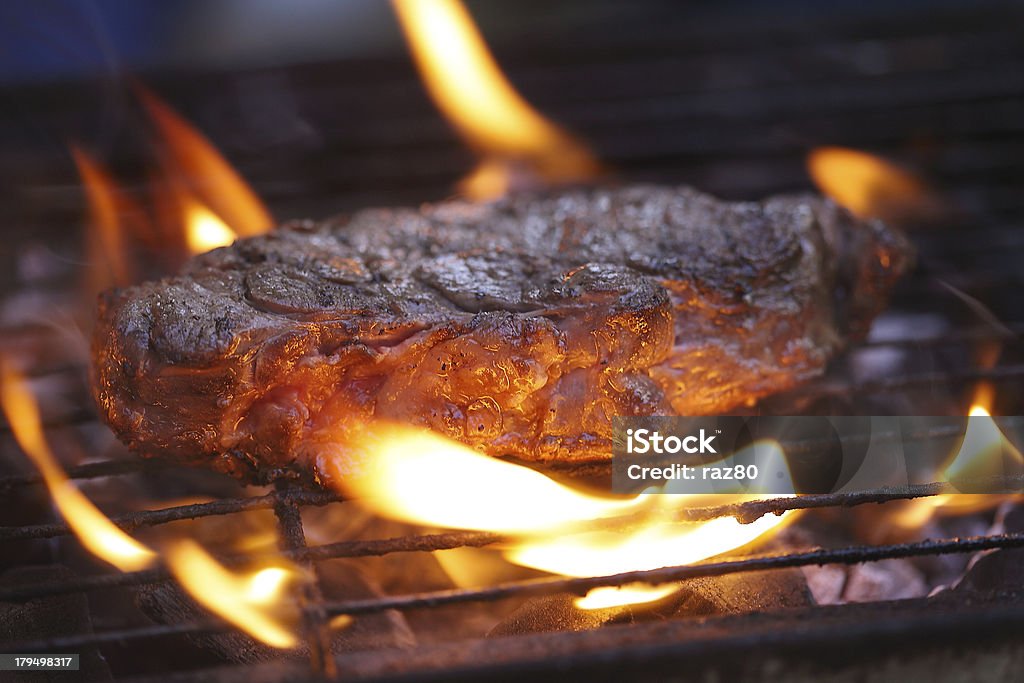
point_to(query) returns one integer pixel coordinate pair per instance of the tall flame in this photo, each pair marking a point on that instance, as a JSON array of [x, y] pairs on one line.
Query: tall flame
[[420, 477], [658, 545], [107, 246], [191, 156], [869, 186], [252, 601], [469, 87], [983, 451], [97, 533], [199, 201]]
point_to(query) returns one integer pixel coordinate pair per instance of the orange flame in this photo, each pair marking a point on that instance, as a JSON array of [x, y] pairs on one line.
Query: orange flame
[[655, 545], [982, 452], [250, 601], [97, 533], [984, 449], [869, 186], [191, 156], [199, 201], [418, 476], [469, 87], [186, 218], [108, 246]]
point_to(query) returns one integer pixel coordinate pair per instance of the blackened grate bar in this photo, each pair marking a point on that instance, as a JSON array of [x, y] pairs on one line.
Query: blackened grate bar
[[226, 506], [747, 511], [579, 586]]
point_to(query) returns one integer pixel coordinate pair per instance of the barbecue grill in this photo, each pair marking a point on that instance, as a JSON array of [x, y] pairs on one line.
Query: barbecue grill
[[730, 101]]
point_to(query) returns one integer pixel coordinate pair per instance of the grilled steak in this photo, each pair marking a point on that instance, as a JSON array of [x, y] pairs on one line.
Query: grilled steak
[[520, 326]]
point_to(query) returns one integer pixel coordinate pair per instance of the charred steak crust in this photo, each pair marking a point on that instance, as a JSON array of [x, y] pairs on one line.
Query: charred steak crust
[[519, 326]]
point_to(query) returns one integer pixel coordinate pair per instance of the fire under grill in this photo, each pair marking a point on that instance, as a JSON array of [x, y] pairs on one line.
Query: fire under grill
[[945, 95]]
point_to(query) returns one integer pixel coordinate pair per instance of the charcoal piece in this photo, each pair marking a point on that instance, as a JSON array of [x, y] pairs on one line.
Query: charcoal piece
[[884, 580], [342, 580], [49, 617], [715, 595], [998, 571], [519, 326], [559, 613], [826, 582], [167, 603], [740, 593]]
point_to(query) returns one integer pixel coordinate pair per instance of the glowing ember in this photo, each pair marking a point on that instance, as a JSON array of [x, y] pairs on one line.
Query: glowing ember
[[468, 86], [339, 622], [867, 185], [420, 477], [491, 178], [192, 157], [97, 533], [249, 601], [616, 596]]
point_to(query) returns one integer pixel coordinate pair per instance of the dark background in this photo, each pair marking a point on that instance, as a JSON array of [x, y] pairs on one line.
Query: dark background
[[318, 104]]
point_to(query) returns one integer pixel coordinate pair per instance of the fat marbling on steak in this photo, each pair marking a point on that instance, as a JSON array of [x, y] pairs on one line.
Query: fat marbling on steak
[[520, 326]]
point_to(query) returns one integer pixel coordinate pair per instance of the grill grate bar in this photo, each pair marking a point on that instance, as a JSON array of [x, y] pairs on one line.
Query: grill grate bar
[[1009, 333], [227, 506], [310, 598], [1003, 373], [373, 548], [92, 470], [745, 512], [579, 586]]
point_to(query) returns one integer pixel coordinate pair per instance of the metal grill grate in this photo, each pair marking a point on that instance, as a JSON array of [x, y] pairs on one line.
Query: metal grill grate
[[287, 502]]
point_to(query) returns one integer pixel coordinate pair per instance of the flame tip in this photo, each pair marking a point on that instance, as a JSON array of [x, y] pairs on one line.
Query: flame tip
[[868, 185], [97, 533], [249, 601], [468, 86]]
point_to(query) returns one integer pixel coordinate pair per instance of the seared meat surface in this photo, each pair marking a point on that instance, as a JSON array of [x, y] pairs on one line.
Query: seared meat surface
[[520, 326]]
